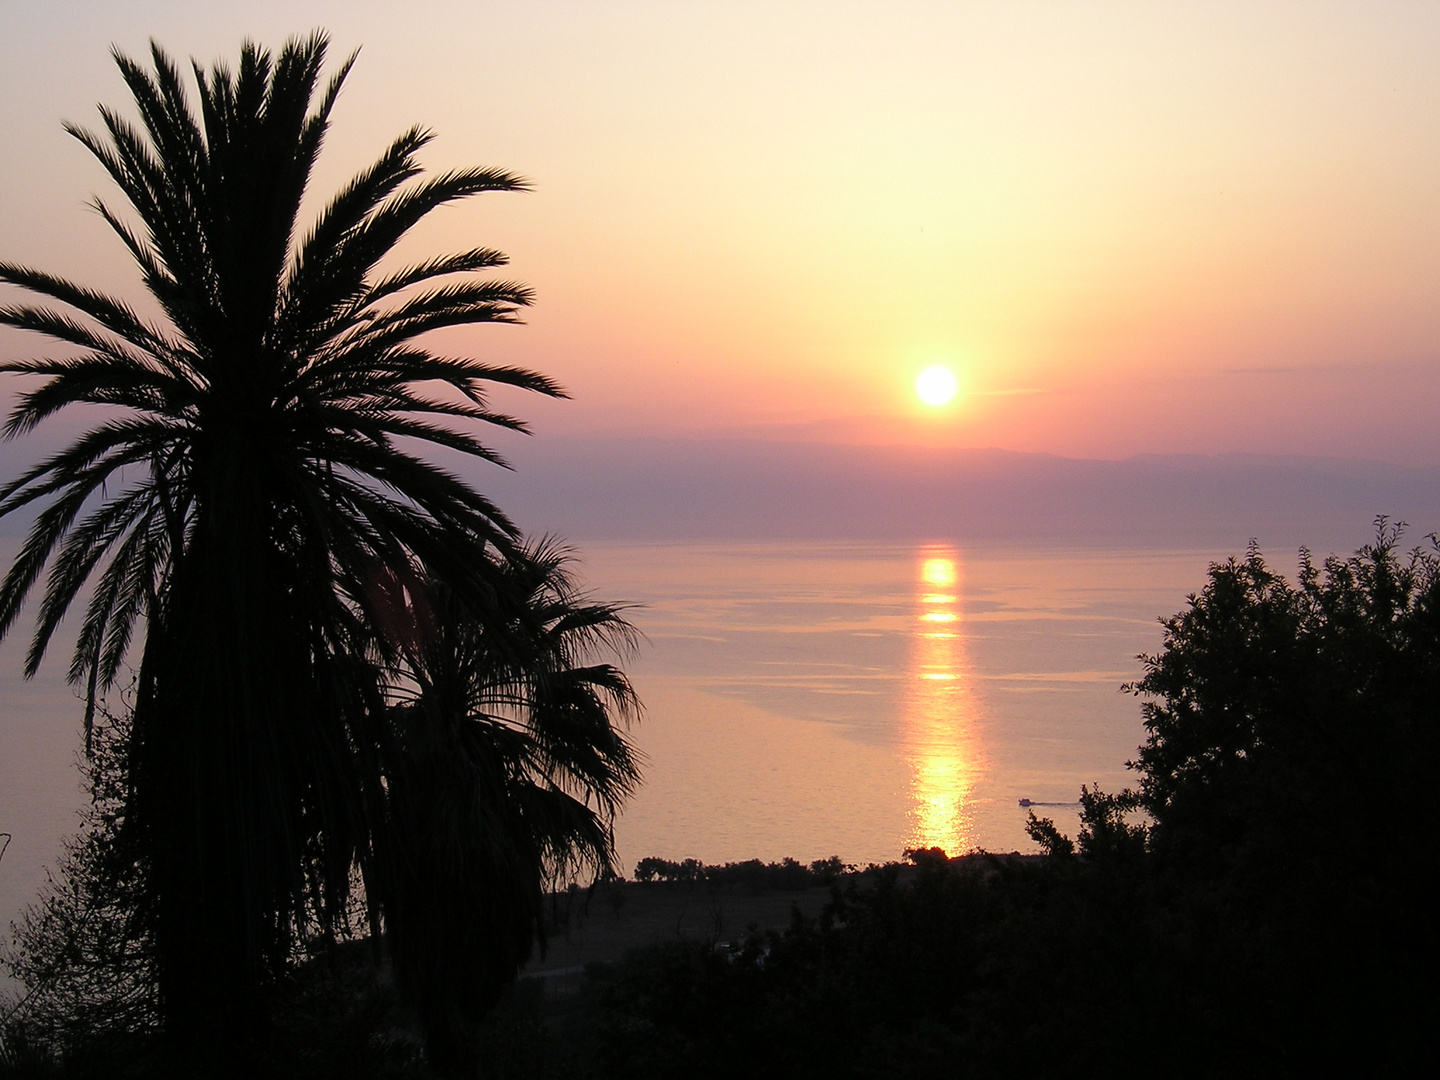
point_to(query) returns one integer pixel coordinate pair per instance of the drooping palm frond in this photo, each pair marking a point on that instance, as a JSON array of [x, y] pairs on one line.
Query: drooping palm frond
[[511, 764]]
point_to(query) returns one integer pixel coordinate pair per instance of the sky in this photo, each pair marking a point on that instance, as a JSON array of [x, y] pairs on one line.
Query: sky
[[1131, 228]]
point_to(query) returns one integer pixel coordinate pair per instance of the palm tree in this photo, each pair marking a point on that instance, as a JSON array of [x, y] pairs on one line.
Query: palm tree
[[246, 500], [508, 770]]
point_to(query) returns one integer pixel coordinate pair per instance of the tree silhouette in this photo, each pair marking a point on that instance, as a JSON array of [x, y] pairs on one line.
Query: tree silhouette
[[510, 768], [1281, 719], [252, 496]]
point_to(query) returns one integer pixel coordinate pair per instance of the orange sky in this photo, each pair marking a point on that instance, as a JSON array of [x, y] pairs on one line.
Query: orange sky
[[1129, 228]]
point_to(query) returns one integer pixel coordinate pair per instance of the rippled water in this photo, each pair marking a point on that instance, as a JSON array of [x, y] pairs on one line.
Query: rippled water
[[802, 700]]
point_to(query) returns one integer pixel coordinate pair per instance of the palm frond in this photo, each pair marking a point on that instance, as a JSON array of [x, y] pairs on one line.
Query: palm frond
[[460, 263], [75, 486], [111, 379], [112, 314]]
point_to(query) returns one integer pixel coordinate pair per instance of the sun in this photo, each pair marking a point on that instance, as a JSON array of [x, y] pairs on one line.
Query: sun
[[936, 386]]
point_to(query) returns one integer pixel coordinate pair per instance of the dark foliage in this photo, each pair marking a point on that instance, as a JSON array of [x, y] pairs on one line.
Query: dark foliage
[[83, 953], [508, 770], [1289, 728], [752, 875]]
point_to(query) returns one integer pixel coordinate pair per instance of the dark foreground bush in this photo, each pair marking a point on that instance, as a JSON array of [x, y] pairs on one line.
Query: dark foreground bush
[[1068, 968]]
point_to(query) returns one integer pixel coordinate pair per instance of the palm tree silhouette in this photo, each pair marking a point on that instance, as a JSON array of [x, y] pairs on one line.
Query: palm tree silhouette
[[508, 769], [253, 497]]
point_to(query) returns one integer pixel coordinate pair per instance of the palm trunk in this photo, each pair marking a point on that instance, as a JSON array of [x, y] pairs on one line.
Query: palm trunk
[[218, 781]]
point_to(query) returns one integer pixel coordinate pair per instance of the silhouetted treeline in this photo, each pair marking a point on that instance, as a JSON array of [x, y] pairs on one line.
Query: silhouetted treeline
[[752, 874]]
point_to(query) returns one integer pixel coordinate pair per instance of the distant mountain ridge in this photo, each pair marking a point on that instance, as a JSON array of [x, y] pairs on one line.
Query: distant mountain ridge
[[736, 489], [615, 489]]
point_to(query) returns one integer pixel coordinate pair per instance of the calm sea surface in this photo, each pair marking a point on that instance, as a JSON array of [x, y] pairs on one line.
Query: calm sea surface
[[809, 700], [801, 700]]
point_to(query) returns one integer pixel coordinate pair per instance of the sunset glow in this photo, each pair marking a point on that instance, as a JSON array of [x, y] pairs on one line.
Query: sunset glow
[[936, 386], [938, 571], [939, 735], [1147, 228]]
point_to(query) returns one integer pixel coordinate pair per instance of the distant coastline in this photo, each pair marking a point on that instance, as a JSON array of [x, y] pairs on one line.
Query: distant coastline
[[610, 489]]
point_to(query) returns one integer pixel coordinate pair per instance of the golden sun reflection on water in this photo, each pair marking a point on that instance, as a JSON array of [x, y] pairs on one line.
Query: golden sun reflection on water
[[940, 713]]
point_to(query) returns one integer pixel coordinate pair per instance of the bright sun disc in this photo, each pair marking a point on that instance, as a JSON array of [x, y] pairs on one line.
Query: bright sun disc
[[936, 385]]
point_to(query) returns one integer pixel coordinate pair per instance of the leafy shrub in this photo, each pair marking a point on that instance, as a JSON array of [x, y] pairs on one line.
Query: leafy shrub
[[83, 952]]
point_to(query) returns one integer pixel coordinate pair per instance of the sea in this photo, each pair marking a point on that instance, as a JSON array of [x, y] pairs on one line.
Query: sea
[[801, 699], [805, 700]]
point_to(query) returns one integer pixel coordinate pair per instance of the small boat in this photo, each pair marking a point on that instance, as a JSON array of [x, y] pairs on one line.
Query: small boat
[[1026, 802]]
